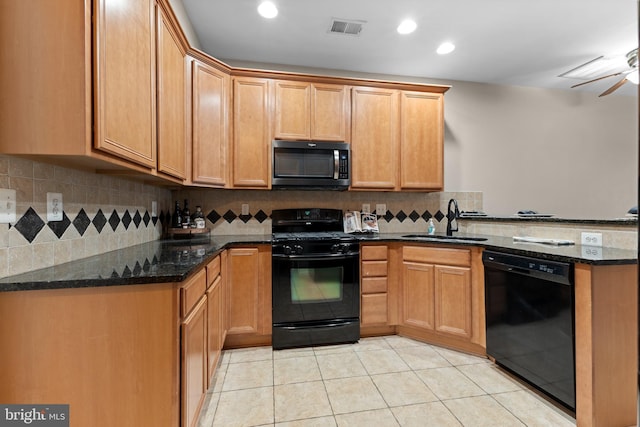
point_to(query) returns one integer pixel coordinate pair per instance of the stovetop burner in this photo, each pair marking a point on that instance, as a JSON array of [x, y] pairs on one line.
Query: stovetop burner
[[313, 235]]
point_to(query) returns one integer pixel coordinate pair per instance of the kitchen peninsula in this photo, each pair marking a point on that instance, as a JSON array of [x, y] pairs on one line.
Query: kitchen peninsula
[[138, 290]]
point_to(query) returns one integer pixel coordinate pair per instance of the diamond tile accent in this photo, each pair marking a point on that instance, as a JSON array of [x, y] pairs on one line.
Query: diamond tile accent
[[260, 216], [426, 215], [114, 220], [388, 216], [146, 218], [137, 269], [155, 220], [213, 216], [29, 225], [99, 221], [245, 218], [414, 216], [126, 219], [438, 216], [229, 216], [137, 219], [401, 216], [59, 227], [81, 222], [126, 272], [146, 266], [162, 218]]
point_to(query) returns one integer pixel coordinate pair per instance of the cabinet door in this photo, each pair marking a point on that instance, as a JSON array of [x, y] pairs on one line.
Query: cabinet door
[[194, 363], [330, 112], [211, 95], [417, 295], [421, 141], [172, 127], [251, 134], [214, 327], [374, 309], [125, 78], [374, 138], [292, 110], [453, 300], [249, 291]]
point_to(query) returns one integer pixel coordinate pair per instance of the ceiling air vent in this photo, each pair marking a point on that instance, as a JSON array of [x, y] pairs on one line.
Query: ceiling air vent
[[344, 26]]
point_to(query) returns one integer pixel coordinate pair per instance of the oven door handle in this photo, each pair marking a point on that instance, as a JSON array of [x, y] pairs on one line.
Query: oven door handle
[[327, 257]]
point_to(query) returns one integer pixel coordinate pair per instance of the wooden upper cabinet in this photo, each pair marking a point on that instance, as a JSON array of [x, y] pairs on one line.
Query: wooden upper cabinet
[[374, 138], [251, 133], [421, 141], [211, 95], [292, 110], [310, 111], [172, 127], [125, 80]]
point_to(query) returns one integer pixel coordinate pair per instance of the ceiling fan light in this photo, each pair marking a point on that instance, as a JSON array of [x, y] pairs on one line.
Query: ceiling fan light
[[445, 48], [633, 77], [268, 10], [407, 26]]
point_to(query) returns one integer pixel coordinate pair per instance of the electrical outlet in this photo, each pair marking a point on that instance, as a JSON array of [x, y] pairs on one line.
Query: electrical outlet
[[154, 209], [54, 207], [366, 208], [245, 209], [592, 239], [7, 206], [381, 209]]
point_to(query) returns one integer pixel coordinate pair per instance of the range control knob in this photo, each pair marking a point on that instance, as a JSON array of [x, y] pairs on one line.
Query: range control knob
[[297, 249], [335, 248], [345, 248], [286, 249]]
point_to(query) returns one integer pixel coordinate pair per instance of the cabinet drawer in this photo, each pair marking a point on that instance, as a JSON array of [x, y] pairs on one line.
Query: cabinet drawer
[[374, 309], [431, 255], [374, 268], [373, 285], [373, 253], [213, 270], [191, 291]]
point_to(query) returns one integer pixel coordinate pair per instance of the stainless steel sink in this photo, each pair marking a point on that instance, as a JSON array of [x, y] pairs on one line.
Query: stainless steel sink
[[441, 237]]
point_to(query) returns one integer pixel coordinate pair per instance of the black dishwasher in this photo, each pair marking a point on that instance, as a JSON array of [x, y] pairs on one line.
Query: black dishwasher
[[529, 306]]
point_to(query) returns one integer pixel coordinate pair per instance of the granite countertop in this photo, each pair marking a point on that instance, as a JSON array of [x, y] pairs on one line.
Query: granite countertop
[[627, 220], [173, 260]]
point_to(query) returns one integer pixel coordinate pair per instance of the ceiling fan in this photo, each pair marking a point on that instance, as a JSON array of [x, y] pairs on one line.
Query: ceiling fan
[[628, 75]]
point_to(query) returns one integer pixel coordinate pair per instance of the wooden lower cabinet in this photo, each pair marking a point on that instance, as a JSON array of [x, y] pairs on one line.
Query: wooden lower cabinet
[[249, 276], [194, 362], [442, 296], [111, 352]]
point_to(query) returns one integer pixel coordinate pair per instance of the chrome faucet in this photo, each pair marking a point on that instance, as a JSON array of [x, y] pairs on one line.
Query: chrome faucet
[[452, 216]]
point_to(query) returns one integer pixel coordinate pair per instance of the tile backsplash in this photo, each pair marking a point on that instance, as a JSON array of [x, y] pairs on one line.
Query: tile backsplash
[[101, 213], [406, 212]]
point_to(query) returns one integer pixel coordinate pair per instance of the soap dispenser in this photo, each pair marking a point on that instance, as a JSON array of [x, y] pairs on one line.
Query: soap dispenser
[[431, 228]]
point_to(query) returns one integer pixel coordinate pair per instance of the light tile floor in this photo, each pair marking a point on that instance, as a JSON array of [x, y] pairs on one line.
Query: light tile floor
[[382, 381]]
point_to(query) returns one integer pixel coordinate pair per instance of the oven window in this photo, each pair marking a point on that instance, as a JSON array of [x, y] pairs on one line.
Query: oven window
[[313, 285]]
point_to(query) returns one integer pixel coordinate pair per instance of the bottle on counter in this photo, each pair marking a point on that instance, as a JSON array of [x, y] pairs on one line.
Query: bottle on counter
[[176, 220], [198, 218], [186, 215], [431, 228]]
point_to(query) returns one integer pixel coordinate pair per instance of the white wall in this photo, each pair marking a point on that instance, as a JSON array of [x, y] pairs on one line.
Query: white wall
[[555, 151], [565, 152]]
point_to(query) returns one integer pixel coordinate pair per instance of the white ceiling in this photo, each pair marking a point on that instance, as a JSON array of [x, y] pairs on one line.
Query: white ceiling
[[513, 42]]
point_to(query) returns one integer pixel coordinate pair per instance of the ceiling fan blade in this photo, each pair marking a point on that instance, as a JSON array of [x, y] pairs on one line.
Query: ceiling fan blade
[[614, 87], [596, 79]]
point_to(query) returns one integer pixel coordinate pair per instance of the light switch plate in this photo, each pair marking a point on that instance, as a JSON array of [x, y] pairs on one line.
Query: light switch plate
[[245, 209], [154, 209], [366, 208], [7, 206], [381, 209], [54, 207]]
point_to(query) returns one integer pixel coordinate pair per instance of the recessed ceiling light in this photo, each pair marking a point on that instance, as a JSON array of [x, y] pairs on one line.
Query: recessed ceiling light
[[445, 48], [407, 26], [268, 10]]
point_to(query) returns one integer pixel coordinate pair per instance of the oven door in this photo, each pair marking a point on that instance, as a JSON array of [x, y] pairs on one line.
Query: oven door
[[309, 288]]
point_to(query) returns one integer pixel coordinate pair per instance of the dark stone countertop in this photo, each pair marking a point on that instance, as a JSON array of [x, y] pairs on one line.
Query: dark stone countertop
[[622, 221], [173, 260]]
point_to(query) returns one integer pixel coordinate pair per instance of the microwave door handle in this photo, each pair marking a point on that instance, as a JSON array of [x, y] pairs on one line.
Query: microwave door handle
[[336, 164]]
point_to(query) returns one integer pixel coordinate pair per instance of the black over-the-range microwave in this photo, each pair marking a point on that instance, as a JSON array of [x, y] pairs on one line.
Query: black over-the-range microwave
[[311, 165]]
